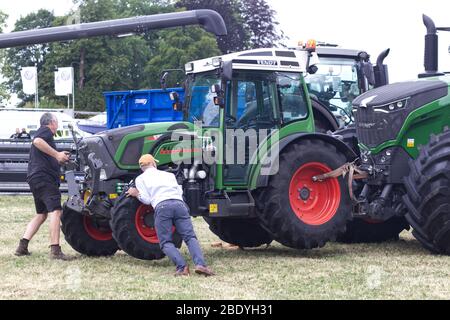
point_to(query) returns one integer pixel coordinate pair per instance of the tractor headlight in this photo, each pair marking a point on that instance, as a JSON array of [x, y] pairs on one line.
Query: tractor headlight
[[392, 107], [384, 157]]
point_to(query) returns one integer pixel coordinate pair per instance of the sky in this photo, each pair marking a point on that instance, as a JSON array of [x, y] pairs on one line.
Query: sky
[[368, 25]]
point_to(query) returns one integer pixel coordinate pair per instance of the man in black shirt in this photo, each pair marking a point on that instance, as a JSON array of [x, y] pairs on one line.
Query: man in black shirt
[[24, 135], [43, 178]]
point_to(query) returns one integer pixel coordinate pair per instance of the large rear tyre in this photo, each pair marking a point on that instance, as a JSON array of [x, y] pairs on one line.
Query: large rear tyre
[[372, 231], [428, 194], [242, 232], [133, 227], [301, 213], [87, 235]]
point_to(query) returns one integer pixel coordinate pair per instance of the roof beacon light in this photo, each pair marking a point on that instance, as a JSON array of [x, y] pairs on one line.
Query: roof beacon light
[[311, 45]]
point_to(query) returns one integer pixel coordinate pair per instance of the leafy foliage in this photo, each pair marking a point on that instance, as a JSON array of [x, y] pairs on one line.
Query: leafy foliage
[[4, 95], [251, 23], [130, 63]]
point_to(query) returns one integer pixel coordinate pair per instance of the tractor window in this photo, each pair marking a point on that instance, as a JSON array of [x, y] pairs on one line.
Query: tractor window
[[200, 100], [335, 85], [293, 105], [253, 104]]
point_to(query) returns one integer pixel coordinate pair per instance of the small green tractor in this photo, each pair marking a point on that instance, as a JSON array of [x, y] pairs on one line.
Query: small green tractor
[[245, 156]]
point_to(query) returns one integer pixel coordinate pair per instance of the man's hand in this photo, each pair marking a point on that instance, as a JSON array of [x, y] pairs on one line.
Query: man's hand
[[132, 192], [62, 157]]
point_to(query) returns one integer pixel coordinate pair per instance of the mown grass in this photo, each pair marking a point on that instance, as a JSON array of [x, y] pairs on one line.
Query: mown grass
[[395, 270]]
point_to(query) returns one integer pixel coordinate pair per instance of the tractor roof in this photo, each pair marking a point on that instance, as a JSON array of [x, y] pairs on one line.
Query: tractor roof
[[273, 59], [328, 52]]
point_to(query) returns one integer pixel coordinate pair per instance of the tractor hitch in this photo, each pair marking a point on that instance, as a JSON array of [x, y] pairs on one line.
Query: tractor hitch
[[350, 168]]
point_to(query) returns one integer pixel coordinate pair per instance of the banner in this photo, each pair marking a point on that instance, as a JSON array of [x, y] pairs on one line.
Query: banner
[[29, 80], [64, 81]]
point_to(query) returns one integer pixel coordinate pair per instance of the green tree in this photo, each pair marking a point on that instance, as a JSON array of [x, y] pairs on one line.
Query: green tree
[[106, 63], [251, 24], [177, 47], [238, 36], [260, 20], [4, 95], [16, 58]]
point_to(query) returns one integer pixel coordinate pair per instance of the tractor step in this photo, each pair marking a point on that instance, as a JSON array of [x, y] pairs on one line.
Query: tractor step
[[231, 204]]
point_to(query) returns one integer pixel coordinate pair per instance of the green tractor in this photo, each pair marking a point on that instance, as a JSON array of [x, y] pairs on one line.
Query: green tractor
[[245, 156], [402, 138], [341, 76]]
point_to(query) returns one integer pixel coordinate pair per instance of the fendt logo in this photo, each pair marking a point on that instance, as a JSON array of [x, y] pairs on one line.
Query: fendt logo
[[267, 62]]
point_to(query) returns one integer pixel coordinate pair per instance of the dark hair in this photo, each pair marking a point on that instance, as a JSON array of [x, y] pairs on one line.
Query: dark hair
[[47, 118]]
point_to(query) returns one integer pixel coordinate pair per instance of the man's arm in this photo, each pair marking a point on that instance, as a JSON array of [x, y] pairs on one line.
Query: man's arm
[[143, 195], [43, 146]]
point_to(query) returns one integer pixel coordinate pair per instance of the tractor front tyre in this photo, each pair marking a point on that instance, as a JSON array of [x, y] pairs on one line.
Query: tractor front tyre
[[361, 230], [428, 194], [242, 232], [299, 212], [133, 227], [88, 235]]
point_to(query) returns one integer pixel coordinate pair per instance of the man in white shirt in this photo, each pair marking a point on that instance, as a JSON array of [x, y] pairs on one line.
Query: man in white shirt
[[161, 190]]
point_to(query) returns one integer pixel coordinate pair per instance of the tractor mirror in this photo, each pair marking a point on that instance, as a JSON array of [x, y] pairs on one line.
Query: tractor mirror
[[163, 79], [227, 70], [369, 73], [174, 96], [215, 88]]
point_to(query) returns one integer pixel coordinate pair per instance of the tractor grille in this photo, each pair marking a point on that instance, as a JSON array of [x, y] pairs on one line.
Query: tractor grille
[[373, 128], [378, 116]]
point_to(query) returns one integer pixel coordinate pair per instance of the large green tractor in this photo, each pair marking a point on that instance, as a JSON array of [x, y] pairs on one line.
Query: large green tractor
[[402, 137], [245, 156]]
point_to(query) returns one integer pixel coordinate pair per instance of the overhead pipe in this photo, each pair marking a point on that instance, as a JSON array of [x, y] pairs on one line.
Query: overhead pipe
[[210, 20]]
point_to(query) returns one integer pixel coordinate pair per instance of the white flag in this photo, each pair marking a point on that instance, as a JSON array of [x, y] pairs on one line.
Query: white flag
[[64, 81], [29, 80]]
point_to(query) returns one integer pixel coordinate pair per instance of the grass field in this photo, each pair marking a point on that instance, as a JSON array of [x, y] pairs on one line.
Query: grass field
[[395, 270]]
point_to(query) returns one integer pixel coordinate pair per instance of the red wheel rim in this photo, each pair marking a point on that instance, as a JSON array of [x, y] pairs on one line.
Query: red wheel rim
[[94, 232], [314, 203], [148, 233]]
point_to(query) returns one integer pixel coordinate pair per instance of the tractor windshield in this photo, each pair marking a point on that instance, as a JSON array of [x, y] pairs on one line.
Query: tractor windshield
[[335, 85], [200, 104]]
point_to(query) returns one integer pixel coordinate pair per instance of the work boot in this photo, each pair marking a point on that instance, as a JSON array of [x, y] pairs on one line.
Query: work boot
[[22, 249], [57, 254], [205, 271], [183, 272]]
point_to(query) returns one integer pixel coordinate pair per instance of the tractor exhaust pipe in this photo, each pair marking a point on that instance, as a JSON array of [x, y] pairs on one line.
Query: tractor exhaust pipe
[[381, 70], [210, 20], [431, 49]]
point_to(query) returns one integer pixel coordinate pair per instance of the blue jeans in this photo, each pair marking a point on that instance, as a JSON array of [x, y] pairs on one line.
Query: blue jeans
[[176, 213]]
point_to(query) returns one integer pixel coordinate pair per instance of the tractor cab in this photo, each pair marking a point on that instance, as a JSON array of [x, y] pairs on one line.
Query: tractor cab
[[342, 75], [245, 96], [250, 89]]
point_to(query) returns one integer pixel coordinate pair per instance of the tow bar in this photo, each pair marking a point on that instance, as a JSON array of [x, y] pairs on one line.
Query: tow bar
[[354, 173]]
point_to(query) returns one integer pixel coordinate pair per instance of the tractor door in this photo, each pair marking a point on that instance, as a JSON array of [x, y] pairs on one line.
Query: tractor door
[[251, 113]]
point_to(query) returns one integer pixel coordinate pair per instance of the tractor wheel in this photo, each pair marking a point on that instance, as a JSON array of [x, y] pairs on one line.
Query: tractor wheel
[[373, 231], [242, 232], [428, 194], [301, 213], [88, 235], [133, 227]]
